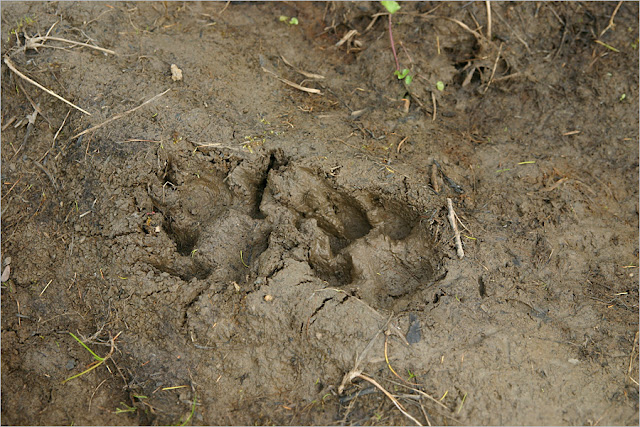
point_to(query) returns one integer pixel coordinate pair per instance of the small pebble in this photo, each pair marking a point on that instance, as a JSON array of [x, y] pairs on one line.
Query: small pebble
[[176, 73]]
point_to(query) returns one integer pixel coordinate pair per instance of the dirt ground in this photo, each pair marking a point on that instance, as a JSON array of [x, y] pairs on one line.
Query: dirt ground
[[269, 241]]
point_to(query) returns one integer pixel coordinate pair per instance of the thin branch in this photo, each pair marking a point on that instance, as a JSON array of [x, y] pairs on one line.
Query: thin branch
[[454, 226], [13, 68], [493, 72], [488, 3], [611, 24], [117, 116], [35, 42], [390, 396]]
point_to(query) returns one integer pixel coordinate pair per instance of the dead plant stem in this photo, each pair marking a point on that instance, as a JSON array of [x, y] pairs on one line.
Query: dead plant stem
[[454, 226], [13, 68]]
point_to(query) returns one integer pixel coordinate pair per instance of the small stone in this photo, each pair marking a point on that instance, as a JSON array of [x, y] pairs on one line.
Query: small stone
[[268, 298], [176, 73], [70, 364]]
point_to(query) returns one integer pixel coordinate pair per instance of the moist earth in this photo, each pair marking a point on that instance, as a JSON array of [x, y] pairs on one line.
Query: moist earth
[[267, 238]]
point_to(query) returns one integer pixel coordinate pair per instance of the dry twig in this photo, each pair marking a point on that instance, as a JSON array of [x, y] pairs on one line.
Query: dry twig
[[488, 3], [61, 126], [390, 396], [433, 99], [355, 371], [304, 73], [454, 226], [292, 84], [38, 41], [13, 68], [33, 104], [224, 8], [611, 24], [118, 116], [493, 72], [46, 172], [633, 350]]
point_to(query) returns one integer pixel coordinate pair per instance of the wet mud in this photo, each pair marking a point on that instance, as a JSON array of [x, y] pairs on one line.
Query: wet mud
[[244, 252]]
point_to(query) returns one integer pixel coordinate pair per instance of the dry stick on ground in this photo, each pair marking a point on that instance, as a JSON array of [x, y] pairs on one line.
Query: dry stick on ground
[[61, 126], [426, 417], [224, 8], [355, 371], [390, 396], [493, 72], [118, 116], [400, 144], [292, 84], [304, 73], [31, 120], [433, 99], [464, 26], [633, 349], [33, 104], [94, 393], [38, 41], [454, 226], [611, 24], [488, 3], [46, 172], [434, 178], [433, 399], [520, 39], [13, 68]]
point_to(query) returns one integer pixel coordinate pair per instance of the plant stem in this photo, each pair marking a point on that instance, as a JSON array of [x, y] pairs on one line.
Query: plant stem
[[393, 46]]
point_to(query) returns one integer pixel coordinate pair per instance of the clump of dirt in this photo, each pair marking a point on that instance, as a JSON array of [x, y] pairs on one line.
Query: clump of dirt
[[244, 250]]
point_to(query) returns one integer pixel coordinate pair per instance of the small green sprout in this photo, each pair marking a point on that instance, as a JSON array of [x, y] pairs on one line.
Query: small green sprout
[[401, 74], [290, 21], [404, 75], [126, 409], [391, 6], [440, 85], [411, 374], [623, 96]]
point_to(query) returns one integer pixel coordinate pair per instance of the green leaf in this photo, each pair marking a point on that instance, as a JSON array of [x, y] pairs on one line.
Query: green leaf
[[408, 80], [293, 21], [283, 18], [440, 86], [401, 74], [391, 6]]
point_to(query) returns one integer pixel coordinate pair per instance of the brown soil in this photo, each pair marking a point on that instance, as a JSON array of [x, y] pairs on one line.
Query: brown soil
[[248, 243]]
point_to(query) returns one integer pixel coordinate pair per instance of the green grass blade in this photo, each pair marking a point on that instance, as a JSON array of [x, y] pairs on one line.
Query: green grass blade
[[193, 410], [84, 372], [101, 359]]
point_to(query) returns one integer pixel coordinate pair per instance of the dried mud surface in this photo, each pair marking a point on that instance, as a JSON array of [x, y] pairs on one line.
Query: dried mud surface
[[249, 243]]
